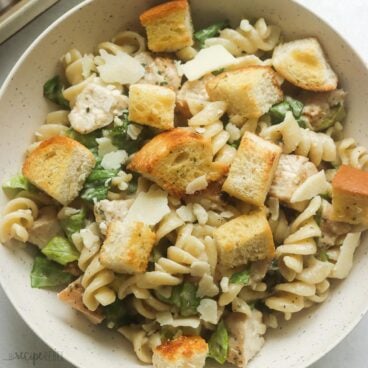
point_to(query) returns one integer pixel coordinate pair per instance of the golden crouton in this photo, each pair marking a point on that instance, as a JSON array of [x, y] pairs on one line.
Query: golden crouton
[[152, 105], [175, 158], [184, 351], [169, 26], [127, 247], [59, 166], [245, 238], [350, 196], [252, 170], [303, 63], [249, 92]]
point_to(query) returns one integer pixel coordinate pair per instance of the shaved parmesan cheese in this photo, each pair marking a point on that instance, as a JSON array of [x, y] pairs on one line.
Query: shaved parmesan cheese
[[105, 146], [114, 160], [208, 310], [314, 185], [149, 207], [207, 287], [206, 61], [120, 68], [134, 130], [88, 65]]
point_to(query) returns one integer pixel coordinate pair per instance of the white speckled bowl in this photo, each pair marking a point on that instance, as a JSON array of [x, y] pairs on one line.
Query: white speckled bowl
[[297, 344]]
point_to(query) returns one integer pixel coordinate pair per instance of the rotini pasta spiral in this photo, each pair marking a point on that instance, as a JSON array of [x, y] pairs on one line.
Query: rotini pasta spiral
[[207, 122], [350, 153], [306, 275], [18, 217], [317, 146], [146, 304], [248, 39], [143, 343], [130, 42], [97, 279]]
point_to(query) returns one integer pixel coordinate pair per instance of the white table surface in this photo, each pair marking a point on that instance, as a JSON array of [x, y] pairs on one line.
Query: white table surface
[[20, 347]]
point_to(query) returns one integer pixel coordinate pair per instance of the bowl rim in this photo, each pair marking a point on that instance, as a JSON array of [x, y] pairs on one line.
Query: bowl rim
[[23, 314]]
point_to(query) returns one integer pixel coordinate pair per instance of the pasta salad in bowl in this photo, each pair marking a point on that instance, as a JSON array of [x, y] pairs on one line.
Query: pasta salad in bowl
[[194, 190]]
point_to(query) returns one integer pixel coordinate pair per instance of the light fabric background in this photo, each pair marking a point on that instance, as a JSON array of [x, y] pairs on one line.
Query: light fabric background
[[20, 347]]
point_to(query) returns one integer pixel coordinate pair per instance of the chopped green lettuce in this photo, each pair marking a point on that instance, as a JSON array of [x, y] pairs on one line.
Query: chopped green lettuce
[[184, 297], [218, 344], [60, 250], [100, 176], [116, 314], [120, 137], [91, 194], [211, 31], [278, 111], [88, 140], [73, 223], [16, 184], [98, 184], [241, 278], [53, 90], [295, 106], [169, 333], [46, 273], [323, 256]]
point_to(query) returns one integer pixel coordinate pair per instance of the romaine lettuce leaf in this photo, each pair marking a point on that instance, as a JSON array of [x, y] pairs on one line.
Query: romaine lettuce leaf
[[53, 90], [60, 250], [241, 278], [218, 344], [211, 31], [46, 273], [73, 223], [15, 184]]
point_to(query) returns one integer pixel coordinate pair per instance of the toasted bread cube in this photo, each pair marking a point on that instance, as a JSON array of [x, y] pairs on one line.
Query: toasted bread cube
[[169, 26], [59, 166], [350, 196], [73, 295], [127, 247], [303, 63], [245, 238], [184, 351], [249, 92], [175, 158], [291, 172], [245, 337], [152, 105], [252, 170]]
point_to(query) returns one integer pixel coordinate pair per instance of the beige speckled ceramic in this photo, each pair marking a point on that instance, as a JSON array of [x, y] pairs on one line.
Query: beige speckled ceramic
[[22, 109]]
